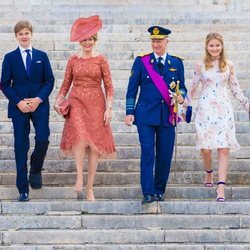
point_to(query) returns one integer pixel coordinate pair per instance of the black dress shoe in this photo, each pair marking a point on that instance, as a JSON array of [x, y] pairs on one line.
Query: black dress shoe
[[148, 198], [35, 180], [23, 197], [159, 197]]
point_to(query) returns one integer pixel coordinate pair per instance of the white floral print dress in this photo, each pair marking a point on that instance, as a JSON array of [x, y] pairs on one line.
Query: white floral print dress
[[214, 121]]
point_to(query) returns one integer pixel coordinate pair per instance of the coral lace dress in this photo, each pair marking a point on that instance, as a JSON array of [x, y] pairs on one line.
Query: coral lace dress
[[85, 125], [214, 122]]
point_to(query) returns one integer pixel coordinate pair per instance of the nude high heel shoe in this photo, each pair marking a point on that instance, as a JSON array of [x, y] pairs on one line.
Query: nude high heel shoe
[[90, 194]]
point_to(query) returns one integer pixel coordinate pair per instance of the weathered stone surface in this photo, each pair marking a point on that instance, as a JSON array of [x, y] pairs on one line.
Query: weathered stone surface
[[245, 222], [194, 207], [130, 192], [208, 236], [168, 246], [18, 247], [39, 222], [83, 236], [127, 177], [166, 222], [205, 207], [130, 165]]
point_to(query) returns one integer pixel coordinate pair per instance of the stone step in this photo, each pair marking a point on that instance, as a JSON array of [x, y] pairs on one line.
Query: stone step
[[133, 152], [121, 139], [121, 74], [127, 64], [168, 246], [127, 46], [128, 55], [138, 33], [77, 221], [138, 45], [131, 17], [117, 6], [128, 178], [125, 207], [130, 192], [128, 165], [119, 102], [124, 74], [58, 33], [131, 54], [118, 14], [125, 236], [57, 123], [113, 14]]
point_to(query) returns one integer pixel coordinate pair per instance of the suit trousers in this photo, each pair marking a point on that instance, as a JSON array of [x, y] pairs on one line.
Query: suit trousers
[[157, 144], [21, 125]]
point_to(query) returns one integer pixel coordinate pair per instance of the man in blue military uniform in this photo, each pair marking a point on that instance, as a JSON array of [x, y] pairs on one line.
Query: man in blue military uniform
[[157, 75]]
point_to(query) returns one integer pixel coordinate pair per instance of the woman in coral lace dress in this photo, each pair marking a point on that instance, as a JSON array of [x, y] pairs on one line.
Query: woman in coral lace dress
[[87, 129], [215, 126]]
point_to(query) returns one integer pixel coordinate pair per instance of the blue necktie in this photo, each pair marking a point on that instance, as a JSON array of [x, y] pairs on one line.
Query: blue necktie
[[28, 61], [160, 64]]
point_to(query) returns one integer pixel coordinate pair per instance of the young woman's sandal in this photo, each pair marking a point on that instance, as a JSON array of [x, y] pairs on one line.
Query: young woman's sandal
[[220, 199], [209, 184]]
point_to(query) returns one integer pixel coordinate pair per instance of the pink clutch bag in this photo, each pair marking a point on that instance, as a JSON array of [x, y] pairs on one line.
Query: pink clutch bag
[[65, 108]]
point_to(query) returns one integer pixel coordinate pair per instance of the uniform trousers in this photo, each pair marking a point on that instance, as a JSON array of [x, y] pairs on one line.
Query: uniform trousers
[[157, 144]]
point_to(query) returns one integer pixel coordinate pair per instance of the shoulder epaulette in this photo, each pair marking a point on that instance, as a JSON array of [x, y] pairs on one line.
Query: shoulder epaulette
[[143, 54], [178, 57]]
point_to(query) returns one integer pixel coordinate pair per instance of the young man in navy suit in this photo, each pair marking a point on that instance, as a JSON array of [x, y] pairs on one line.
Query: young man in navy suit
[[155, 74], [27, 81]]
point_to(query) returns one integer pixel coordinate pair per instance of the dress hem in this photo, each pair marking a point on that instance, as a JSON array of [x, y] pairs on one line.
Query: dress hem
[[110, 152]]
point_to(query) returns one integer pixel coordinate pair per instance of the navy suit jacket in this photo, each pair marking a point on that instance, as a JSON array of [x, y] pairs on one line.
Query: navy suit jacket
[[151, 108], [17, 84]]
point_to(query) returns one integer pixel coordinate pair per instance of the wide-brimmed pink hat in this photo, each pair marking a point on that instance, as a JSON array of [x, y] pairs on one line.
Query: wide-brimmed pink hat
[[84, 28]]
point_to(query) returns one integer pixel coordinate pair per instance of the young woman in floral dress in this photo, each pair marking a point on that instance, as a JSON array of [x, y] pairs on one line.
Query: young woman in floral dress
[[214, 122]]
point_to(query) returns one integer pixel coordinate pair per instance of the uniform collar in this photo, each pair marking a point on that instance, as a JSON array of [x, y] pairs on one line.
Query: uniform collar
[[164, 57]]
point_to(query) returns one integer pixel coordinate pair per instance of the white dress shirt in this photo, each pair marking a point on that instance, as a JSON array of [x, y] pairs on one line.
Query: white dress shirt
[[24, 54], [163, 58]]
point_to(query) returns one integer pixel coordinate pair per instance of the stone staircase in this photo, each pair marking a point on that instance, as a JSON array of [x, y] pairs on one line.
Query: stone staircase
[[189, 218], [125, 224]]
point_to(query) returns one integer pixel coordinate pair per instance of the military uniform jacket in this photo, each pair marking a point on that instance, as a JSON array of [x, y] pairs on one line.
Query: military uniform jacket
[[150, 108]]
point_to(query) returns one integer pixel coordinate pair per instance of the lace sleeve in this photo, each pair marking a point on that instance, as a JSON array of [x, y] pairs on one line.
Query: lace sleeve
[[68, 77], [235, 87], [197, 76], [107, 80]]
